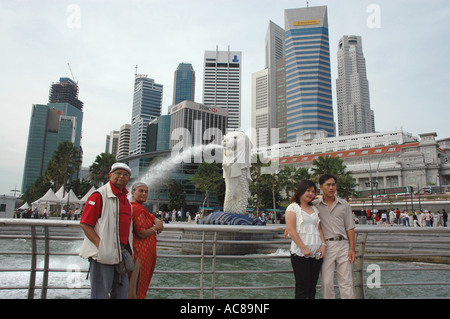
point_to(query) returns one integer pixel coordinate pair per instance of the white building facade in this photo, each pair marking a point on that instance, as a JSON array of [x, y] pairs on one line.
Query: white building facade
[[222, 83]]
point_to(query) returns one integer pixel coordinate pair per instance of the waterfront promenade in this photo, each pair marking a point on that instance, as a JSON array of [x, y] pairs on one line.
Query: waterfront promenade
[[44, 255]]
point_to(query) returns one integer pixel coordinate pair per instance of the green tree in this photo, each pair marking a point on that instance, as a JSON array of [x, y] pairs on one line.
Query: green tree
[[207, 179], [289, 177], [66, 161], [336, 167], [176, 195], [264, 188], [37, 190], [80, 186], [99, 170]]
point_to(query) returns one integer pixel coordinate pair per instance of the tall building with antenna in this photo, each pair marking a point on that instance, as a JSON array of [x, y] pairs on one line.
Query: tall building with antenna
[[147, 104]]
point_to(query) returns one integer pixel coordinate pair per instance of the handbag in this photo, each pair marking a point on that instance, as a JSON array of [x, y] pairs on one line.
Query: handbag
[[127, 263]]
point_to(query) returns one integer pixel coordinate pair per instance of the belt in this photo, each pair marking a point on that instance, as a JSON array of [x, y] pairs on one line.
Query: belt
[[337, 238]]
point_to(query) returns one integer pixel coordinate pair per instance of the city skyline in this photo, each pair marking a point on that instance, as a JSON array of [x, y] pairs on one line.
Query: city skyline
[[104, 43]]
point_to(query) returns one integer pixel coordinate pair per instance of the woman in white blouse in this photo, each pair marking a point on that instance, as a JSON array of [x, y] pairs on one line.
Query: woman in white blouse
[[308, 243]]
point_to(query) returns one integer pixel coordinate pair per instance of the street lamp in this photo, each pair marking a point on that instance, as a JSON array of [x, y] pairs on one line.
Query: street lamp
[[371, 184]]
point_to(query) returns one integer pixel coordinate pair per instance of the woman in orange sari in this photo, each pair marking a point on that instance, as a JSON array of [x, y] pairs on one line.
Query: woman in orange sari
[[145, 228]]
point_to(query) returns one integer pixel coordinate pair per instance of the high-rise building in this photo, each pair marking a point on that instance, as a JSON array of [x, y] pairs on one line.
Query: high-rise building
[[261, 108], [147, 103], [352, 89], [158, 134], [274, 53], [124, 141], [65, 91], [50, 125], [112, 142], [309, 104], [222, 83], [198, 124], [184, 83]]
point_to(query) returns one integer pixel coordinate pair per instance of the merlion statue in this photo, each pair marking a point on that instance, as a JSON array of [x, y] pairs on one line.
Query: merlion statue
[[236, 171]]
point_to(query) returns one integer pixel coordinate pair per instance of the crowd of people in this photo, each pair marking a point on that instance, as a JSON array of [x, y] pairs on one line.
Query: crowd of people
[[414, 218]]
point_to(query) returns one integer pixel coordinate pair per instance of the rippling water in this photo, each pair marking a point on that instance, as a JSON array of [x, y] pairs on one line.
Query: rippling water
[[70, 263]]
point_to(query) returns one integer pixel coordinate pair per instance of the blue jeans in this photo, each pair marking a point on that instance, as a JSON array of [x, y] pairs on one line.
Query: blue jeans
[[106, 282]]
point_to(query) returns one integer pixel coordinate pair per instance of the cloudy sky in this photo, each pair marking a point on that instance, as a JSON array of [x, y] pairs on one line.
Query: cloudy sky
[[405, 42]]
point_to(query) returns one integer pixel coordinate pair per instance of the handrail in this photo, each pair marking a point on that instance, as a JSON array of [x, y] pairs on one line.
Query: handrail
[[39, 231]]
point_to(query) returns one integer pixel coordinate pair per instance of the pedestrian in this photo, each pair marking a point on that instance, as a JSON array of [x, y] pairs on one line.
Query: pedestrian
[[397, 215], [106, 210], [444, 218], [145, 228], [427, 218], [308, 243], [339, 231], [391, 217], [415, 219], [384, 217]]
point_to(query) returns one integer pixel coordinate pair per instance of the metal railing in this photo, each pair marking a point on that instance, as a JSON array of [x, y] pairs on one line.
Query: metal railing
[[40, 234]]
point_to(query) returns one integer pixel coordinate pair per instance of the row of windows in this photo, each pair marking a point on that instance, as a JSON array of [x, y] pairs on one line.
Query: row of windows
[[315, 78], [316, 109], [297, 102]]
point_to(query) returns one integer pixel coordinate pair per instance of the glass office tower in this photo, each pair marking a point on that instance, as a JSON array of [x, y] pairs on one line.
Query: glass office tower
[[184, 83], [50, 125], [308, 73]]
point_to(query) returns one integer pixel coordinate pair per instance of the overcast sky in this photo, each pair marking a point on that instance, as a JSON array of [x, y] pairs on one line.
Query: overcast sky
[[406, 45]]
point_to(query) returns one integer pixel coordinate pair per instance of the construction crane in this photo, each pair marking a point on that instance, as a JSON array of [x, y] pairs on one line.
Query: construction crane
[[73, 78]]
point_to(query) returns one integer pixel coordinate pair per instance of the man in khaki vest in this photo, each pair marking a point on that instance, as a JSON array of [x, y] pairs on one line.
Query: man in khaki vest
[[338, 225]]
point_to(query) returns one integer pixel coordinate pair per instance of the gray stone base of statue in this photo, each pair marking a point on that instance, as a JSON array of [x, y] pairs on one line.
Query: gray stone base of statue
[[236, 172]]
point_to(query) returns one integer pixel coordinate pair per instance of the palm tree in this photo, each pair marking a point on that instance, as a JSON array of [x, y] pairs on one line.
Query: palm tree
[[66, 161], [289, 177], [99, 170], [336, 167]]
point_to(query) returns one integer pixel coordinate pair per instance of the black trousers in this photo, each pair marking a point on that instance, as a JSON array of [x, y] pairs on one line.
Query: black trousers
[[306, 273]]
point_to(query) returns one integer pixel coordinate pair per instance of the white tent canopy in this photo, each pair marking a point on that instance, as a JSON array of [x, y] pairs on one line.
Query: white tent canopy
[[60, 193], [49, 198], [71, 198], [86, 196], [24, 206]]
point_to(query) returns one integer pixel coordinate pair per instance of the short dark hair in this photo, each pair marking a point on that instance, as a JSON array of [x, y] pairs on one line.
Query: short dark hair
[[326, 177], [301, 189]]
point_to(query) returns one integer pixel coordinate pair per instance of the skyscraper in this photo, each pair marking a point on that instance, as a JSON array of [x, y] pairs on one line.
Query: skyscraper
[[50, 125], [352, 89], [147, 103], [274, 53], [261, 108], [184, 83], [222, 83], [308, 73]]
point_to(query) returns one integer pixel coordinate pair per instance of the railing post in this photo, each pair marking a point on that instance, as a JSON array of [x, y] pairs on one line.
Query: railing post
[[202, 265], [359, 284], [46, 264], [32, 282], [213, 268]]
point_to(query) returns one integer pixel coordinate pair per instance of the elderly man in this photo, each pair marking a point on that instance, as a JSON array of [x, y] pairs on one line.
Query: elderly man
[[106, 210], [336, 220]]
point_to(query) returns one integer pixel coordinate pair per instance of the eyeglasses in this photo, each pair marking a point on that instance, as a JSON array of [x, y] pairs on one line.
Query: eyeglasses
[[122, 174]]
